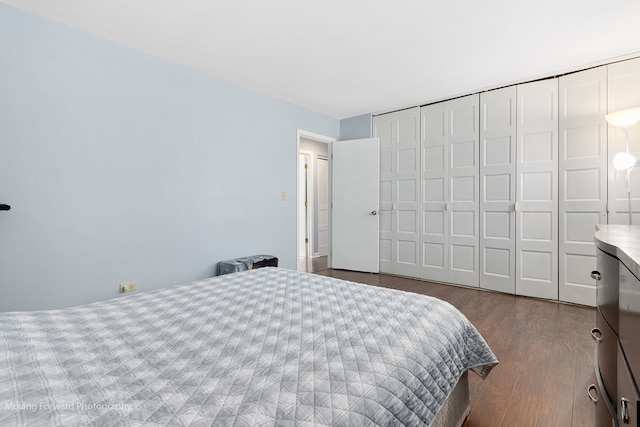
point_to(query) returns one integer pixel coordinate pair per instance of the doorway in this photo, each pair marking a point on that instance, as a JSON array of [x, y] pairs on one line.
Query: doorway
[[314, 195]]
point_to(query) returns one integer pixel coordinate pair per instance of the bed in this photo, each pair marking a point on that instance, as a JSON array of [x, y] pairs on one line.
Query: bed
[[264, 347]]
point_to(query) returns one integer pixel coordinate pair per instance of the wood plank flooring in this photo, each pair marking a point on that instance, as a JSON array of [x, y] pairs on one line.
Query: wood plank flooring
[[312, 264], [545, 351]]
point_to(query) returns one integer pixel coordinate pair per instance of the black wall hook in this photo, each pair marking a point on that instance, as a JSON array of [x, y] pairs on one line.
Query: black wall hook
[[4, 207]]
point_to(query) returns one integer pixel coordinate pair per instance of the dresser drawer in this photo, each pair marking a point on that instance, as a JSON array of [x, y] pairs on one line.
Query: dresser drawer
[[628, 396], [606, 276], [606, 353], [629, 331]]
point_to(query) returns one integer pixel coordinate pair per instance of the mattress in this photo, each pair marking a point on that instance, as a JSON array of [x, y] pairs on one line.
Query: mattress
[[260, 347]]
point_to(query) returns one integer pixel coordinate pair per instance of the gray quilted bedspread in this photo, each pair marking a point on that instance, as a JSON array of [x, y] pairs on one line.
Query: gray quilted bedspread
[[265, 347]]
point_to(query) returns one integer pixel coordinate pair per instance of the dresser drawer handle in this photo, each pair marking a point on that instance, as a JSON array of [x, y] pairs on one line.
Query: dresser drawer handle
[[596, 275], [624, 410], [593, 396], [596, 334]]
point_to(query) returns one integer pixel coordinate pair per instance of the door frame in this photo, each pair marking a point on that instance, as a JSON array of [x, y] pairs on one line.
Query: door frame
[[305, 179], [329, 141]]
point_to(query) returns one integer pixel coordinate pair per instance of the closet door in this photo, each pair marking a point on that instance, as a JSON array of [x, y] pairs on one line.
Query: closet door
[[583, 180], [450, 203], [623, 84], [537, 193], [399, 134], [434, 255], [498, 189], [464, 190]]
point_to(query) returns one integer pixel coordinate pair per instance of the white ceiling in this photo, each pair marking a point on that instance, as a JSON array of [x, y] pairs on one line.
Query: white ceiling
[[349, 57]]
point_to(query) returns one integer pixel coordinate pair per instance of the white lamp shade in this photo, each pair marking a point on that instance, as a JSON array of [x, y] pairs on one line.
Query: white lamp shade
[[624, 119], [622, 161]]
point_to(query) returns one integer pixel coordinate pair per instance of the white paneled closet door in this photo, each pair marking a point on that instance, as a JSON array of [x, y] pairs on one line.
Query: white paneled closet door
[[623, 92], [399, 134], [498, 189], [450, 204], [583, 180], [464, 190], [434, 254], [537, 193]]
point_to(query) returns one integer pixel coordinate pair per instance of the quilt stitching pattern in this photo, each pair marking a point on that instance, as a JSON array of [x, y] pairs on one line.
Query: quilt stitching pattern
[[260, 347]]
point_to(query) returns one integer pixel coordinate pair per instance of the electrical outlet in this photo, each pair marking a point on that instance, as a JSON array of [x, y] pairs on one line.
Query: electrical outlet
[[127, 287], [283, 196]]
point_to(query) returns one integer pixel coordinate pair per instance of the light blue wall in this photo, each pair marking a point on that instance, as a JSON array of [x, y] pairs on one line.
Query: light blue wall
[[122, 167], [357, 127]]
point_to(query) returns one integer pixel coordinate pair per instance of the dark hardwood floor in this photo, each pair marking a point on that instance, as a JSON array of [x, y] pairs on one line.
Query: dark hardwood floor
[[545, 351], [311, 265]]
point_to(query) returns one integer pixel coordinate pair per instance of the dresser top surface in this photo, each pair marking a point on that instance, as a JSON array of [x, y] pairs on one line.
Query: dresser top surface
[[621, 241]]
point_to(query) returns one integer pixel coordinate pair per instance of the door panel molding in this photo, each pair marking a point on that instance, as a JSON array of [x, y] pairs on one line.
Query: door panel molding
[[498, 189], [450, 191], [583, 180], [399, 134], [537, 191]]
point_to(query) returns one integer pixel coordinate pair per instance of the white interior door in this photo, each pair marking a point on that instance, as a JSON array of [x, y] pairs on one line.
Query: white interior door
[[383, 129], [399, 135], [583, 180], [355, 186], [322, 218], [498, 189], [537, 195], [450, 191], [434, 260], [464, 201]]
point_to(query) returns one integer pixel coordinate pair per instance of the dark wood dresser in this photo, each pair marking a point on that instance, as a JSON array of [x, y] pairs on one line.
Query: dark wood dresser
[[617, 331]]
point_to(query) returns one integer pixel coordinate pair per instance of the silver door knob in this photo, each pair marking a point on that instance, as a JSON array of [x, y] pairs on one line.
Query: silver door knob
[[374, 212]]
